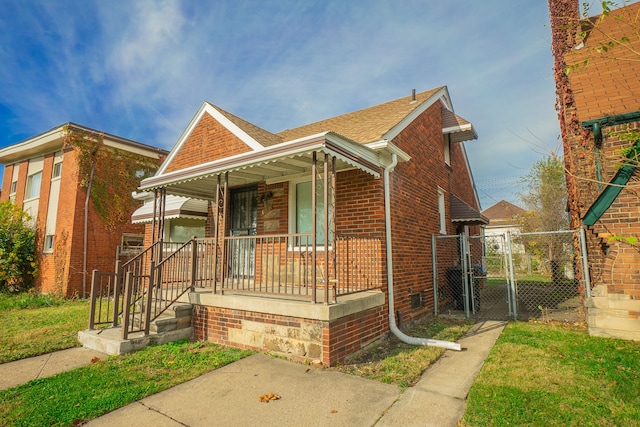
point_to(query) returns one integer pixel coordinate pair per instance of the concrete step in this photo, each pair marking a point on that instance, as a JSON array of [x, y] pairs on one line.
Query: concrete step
[[178, 316], [172, 325], [109, 340]]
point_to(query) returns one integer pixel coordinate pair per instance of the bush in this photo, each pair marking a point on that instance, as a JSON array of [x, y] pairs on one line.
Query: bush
[[18, 267]]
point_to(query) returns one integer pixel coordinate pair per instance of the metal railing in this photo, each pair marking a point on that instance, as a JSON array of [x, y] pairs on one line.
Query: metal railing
[[279, 265], [109, 300], [358, 264]]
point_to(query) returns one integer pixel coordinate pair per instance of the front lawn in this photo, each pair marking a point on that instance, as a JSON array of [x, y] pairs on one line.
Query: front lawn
[[551, 375], [39, 324]]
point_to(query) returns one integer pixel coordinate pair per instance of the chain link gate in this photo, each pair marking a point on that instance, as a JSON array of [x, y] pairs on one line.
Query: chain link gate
[[515, 276]]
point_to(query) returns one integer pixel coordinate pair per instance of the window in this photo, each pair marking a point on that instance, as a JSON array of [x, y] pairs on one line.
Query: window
[[182, 230], [302, 213], [48, 243], [33, 185], [57, 170], [447, 149], [441, 212], [12, 191]]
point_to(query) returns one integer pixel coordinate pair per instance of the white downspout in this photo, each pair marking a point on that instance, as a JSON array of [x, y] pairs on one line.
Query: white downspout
[[392, 320]]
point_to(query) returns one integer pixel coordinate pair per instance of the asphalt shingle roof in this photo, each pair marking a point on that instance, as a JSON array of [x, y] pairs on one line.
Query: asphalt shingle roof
[[366, 125]]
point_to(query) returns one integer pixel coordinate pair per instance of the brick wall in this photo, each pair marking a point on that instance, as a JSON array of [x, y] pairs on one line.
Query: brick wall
[[208, 141], [604, 88], [414, 205], [291, 336], [294, 337]]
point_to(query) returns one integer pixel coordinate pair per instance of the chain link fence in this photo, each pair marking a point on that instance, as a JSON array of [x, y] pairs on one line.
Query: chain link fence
[[511, 276]]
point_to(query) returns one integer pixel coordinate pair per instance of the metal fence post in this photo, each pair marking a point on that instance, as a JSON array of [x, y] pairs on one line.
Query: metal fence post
[[434, 262], [585, 262], [116, 293], [465, 275], [126, 304], [514, 297], [92, 303]]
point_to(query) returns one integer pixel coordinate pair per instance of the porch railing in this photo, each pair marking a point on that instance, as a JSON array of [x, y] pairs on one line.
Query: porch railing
[[280, 265], [108, 302]]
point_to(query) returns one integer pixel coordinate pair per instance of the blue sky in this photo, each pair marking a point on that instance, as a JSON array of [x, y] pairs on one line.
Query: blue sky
[[141, 69]]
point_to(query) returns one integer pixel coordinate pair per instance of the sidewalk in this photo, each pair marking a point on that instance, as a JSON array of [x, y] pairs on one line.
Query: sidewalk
[[310, 396], [22, 371]]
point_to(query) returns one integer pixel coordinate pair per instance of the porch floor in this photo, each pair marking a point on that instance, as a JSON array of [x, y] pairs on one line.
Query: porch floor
[[287, 305]]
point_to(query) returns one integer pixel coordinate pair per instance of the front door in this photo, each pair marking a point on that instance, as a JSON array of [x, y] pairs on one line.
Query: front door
[[244, 219]]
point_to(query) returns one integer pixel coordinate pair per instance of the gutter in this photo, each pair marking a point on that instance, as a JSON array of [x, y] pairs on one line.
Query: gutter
[[608, 195], [392, 320], [621, 178]]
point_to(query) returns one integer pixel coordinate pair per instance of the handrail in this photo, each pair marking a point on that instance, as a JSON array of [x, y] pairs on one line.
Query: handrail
[[278, 265]]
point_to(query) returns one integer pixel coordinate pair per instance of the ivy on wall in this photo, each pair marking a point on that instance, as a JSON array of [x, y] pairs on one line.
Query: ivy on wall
[[111, 174]]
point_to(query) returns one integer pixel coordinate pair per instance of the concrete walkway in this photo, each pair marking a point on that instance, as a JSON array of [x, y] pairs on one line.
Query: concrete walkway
[[13, 374], [309, 396]]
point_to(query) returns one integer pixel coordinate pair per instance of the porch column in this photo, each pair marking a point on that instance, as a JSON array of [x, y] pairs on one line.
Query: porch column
[[333, 223], [325, 195], [313, 228], [215, 211], [159, 205], [225, 255]]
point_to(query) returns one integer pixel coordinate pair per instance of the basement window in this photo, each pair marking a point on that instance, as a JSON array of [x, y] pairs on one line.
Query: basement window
[[416, 301]]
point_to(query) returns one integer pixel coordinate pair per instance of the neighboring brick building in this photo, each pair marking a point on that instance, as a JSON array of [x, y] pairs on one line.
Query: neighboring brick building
[[598, 101], [261, 184], [41, 175]]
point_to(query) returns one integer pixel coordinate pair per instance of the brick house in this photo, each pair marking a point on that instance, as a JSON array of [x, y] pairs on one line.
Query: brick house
[[283, 271], [41, 175], [503, 218], [598, 102]]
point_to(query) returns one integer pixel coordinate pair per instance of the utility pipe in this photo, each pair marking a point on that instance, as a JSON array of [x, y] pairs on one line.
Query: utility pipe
[[392, 320]]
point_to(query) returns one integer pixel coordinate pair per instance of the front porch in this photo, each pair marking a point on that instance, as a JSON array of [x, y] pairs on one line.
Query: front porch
[[292, 258], [257, 292]]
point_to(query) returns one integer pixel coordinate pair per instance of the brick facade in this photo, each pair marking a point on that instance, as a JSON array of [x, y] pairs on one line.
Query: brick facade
[[299, 338], [605, 89], [208, 141], [359, 209], [61, 271]]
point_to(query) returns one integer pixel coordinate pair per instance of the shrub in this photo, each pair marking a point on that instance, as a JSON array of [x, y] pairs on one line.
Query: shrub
[[18, 267]]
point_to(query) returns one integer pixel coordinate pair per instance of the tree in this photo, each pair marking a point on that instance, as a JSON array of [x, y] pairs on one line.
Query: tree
[[546, 196], [546, 204], [18, 268]]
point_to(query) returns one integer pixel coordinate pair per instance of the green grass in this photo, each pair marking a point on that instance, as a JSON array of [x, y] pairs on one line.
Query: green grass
[[394, 362], [38, 324], [549, 375], [88, 392]]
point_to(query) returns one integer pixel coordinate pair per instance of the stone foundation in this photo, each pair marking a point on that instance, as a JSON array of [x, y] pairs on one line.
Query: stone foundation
[[295, 329]]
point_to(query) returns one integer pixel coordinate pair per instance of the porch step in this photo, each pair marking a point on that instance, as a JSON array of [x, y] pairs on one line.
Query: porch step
[[177, 316], [172, 325]]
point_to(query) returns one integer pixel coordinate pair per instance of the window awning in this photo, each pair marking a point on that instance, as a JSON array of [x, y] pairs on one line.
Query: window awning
[[273, 164], [176, 207], [463, 213], [459, 128]]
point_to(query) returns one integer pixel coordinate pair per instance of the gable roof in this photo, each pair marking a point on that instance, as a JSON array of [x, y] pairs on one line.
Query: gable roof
[[502, 213], [386, 120], [361, 139], [264, 137], [609, 84], [253, 136]]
